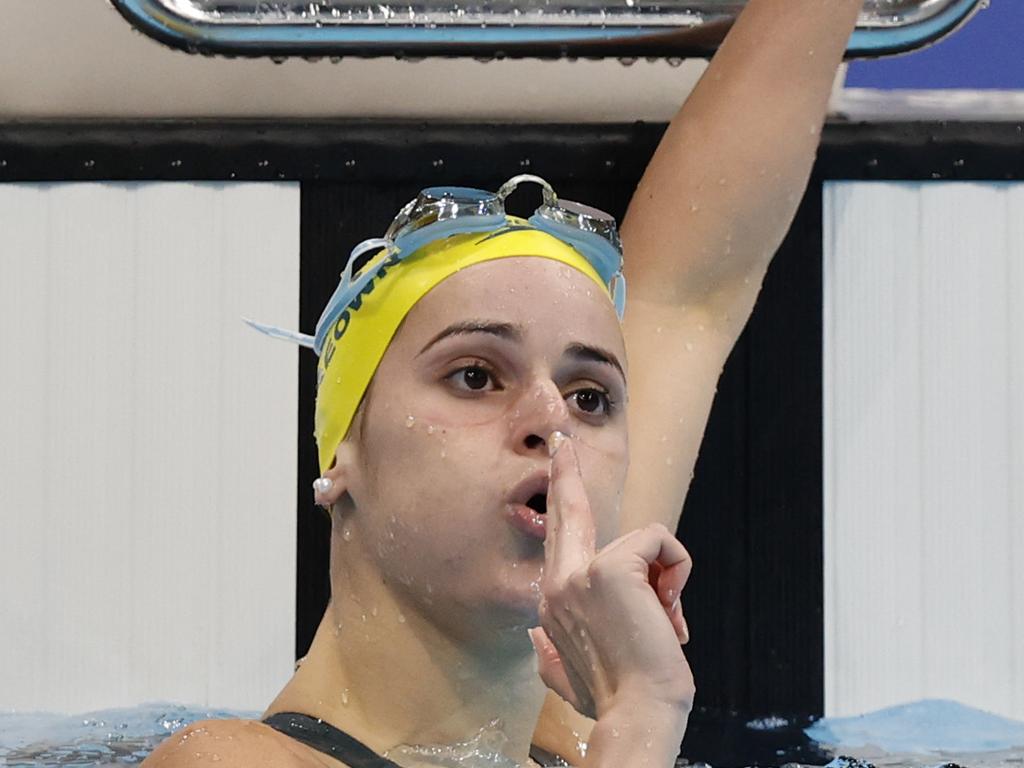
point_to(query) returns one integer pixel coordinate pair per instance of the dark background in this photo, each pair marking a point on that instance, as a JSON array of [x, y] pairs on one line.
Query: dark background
[[753, 517]]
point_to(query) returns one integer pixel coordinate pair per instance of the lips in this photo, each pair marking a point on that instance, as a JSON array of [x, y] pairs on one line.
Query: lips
[[527, 504]]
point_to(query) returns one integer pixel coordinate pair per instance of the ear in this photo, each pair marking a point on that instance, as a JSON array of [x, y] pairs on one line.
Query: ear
[[340, 475]]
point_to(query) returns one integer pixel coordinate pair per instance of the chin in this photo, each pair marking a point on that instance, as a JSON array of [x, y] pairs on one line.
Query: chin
[[517, 594]]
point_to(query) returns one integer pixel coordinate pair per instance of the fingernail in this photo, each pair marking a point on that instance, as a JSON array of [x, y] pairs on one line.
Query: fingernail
[[555, 442], [533, 638]]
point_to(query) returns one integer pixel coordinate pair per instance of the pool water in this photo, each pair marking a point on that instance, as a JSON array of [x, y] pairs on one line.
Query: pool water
[[110, 737], [977, 739]]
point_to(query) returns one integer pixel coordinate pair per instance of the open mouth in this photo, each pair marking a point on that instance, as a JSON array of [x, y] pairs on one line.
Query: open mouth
[[538, 503]]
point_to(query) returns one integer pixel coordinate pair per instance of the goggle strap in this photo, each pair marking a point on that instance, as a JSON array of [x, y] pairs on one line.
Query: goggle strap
[[302, 339], [618, 289], [371, 244]]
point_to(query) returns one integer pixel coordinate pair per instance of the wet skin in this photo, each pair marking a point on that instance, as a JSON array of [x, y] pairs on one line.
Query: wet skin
[[452, 425]]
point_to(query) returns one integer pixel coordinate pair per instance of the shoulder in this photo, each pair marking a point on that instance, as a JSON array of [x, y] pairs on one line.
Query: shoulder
[[248, 743]]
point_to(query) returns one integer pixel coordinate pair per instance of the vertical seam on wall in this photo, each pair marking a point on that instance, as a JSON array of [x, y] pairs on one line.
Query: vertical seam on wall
[[919, 448], [1012, 444]]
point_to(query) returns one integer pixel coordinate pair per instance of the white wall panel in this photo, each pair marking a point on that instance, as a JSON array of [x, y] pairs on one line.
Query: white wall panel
[[924, 445], [147, 505]]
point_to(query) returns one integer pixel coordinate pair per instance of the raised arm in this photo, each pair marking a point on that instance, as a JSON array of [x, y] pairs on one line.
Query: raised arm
[[708, 215], [711, 209]]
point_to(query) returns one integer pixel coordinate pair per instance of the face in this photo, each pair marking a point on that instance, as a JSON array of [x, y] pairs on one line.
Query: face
[[455, 427]]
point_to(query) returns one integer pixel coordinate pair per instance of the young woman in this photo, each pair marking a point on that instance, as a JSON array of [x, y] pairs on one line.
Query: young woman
[[471, 422]]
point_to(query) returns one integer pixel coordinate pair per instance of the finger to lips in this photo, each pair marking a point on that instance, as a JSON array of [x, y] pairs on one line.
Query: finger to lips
[[569, 544]]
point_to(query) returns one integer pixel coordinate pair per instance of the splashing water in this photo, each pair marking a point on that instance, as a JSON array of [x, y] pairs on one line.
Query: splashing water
[[486, 748]]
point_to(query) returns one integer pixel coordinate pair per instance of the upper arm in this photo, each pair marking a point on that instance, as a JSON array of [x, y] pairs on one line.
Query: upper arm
[[676, 354]]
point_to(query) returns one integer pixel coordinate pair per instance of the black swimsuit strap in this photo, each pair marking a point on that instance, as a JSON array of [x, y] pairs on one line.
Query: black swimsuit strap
[[325, 738], [332, 741]]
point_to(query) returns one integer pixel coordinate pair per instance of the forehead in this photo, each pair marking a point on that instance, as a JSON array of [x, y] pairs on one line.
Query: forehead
[[550, 300]]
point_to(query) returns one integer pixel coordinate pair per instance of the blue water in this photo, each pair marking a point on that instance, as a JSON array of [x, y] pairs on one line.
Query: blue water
[[918, 735], [110, 737]]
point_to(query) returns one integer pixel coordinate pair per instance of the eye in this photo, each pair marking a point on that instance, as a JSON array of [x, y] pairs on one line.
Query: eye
[[593, 401], [471, 378]]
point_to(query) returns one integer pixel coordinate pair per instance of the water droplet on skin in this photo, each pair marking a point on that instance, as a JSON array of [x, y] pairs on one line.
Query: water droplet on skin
[[694, 207], [344, 696], [615, 733], [409, 421], [364, 618], [668, 461], [346, 533], [658, 329], [401, 618], [373, 611], [430, 429], [700, 326], [689, 346]]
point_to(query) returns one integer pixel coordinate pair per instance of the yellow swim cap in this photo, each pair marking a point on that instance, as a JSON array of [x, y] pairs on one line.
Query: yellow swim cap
[[360, 336]]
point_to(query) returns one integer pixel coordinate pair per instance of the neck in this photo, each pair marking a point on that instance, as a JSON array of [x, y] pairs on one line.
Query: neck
[[381, 671]]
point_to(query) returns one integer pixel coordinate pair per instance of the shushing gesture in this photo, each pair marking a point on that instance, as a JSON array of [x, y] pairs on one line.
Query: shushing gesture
[[611, 621]]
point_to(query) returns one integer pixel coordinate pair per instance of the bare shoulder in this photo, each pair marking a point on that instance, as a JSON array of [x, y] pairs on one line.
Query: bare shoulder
[[230, 743]]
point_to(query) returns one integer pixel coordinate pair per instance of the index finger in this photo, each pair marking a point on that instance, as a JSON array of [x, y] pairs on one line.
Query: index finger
[[569, 543]]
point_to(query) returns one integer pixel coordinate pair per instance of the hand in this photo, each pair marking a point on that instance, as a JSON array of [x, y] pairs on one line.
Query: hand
[[611, 622]]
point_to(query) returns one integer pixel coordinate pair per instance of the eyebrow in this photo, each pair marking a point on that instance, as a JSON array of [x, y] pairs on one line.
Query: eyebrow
[[511, 332]]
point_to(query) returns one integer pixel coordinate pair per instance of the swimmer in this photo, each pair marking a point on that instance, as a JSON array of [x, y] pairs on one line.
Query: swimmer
[[505, 583]]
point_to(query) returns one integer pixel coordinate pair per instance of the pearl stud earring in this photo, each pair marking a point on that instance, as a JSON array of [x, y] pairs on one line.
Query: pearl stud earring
[[323, 484]]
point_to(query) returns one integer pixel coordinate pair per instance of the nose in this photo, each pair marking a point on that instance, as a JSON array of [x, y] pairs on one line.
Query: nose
[[539, 411]]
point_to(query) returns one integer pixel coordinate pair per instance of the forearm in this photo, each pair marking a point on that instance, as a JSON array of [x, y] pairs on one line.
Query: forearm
[[562, 730], [637, 735], [721, 190]]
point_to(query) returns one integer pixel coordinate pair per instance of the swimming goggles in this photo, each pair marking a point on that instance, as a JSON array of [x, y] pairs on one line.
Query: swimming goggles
[[439, 212]]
